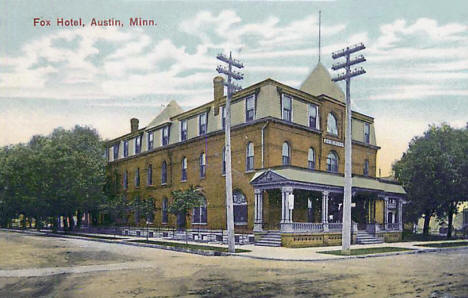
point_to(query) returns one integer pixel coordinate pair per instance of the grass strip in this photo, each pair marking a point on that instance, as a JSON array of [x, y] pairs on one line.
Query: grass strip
[[86, 236], [444, 244], [190, 246], [366, 251]]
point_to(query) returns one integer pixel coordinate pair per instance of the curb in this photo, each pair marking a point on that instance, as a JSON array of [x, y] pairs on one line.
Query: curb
[[209, 253]]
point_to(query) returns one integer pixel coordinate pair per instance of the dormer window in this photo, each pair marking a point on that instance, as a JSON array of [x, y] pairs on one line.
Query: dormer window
[[250, 108], [165, 135], [202, 124], [115, 149], [313, 116], [138, 144], [286, 107], [125, 145], [183, 130], [150, 140], [332, 125], [366, 133]]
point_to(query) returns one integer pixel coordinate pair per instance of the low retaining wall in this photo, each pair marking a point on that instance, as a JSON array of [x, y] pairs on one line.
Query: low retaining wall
[[390, 236], [311, 239]]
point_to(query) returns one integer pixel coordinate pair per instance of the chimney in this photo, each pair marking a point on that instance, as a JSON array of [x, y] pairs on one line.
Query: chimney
[[133, 124], [218, 93]]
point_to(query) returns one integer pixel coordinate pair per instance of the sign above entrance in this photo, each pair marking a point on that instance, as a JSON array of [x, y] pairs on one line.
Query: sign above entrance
[[333, 142]]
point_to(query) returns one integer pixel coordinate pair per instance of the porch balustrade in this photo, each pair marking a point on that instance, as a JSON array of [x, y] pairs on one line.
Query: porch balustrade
[[307, 227], [393, 226], [335, 226]]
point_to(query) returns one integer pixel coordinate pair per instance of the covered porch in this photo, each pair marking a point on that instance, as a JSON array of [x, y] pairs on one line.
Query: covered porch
[[311, 202]]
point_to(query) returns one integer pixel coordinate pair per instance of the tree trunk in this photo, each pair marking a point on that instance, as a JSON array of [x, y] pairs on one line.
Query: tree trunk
[[450, 221], [427, 219], [65, 224], [79, 215]]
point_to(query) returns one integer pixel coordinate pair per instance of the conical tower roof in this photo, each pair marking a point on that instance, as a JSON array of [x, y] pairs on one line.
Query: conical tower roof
[[169, 111], [319, 82]]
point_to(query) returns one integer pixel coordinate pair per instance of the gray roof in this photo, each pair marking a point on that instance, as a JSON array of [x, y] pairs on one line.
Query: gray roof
[[319, 82], [169, 111], [316, 177]]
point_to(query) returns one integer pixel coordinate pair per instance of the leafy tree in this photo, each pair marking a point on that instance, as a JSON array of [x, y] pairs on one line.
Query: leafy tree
[[185, 200], [431, 171]]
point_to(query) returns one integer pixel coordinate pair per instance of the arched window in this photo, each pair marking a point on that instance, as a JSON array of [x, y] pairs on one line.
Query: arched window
[[202, 165], [125, 179], [164, 172], [184, 169], [311, 159], [249, 162], [164, 210], [240, 207], [224, 161], [332, 162], [150, 175], [365, 171], [332, 125], [199, 214], [286, 154]]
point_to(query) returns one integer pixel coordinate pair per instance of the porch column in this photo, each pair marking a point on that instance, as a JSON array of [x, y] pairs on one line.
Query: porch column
[[385, 217], [258, 224], [325, 209], [286, 214], [400, 214]]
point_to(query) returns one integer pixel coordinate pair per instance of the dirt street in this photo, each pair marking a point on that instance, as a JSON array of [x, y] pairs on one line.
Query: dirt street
[[34, 266]]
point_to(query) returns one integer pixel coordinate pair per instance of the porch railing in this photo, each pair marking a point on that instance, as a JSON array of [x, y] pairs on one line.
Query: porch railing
[[335, 226], [393, 226], [307, 227]]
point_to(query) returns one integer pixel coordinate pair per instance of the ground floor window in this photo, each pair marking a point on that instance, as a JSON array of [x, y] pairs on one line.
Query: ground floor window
[[240, 207], [199, 214]]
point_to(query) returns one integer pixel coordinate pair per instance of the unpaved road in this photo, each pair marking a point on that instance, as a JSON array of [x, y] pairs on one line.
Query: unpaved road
[[92, 269]]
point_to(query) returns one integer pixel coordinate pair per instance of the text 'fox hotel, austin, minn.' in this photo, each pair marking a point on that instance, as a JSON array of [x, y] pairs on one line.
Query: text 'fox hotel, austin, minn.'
[[284, 141]]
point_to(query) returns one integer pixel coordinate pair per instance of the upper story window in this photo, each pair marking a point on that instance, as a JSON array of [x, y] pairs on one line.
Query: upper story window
[[150, 140], [164, 172], [332, 125], [199, 213], [311, 159], [223, 117], [150, 175], [125, 179], [286, 154], [165, 135], [164, 210], [366, 133], [250, 108], [183, 130], [249, 162], [224, 161], [332, 162], [115, 150], [202, 124], [313, 116], [138, 144], [184, 169], [365, 170], [125, 145], [137, 177], [286, 108], [202, 165]]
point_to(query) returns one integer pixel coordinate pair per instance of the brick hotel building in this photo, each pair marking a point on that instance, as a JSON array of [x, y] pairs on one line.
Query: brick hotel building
[[284, 141]]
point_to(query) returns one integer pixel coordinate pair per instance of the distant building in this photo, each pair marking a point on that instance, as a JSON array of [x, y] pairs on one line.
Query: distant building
[[284, 141]]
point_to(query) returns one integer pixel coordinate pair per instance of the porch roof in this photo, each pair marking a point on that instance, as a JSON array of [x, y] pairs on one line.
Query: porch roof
[[323, 178]]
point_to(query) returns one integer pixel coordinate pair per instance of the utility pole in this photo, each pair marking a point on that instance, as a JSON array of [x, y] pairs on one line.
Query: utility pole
[[231, 88], [346, 230]]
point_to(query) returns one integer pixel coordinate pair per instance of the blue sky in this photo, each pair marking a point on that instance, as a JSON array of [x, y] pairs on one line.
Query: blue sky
[[417, 68]]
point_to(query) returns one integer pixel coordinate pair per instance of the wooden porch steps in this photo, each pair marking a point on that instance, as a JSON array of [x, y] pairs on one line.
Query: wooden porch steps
[[364, 237], [271, 238]]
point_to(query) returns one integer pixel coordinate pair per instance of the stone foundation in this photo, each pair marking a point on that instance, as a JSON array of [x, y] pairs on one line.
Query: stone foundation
[[390, 236], [311, 240]]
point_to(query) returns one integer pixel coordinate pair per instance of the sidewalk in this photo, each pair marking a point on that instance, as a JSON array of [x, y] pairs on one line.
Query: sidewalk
[[309, 254]]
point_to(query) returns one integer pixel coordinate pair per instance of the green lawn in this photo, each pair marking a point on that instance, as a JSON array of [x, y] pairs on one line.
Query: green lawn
[[191, 246], [92, 236], [445, 244], [366, 251]]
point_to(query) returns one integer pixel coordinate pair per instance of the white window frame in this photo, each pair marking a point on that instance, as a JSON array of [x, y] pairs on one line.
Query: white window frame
[[200, 117], [182, 123], [283, 97], [317, 119], [253, 101]]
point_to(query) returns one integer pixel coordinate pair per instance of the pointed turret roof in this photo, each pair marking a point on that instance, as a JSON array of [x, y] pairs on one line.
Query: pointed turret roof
[[319, 82], [169, 111]]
